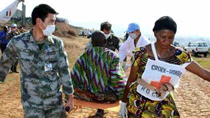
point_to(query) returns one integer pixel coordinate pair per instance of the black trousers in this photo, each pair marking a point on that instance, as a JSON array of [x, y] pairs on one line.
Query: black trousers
[[3, 47], [14, 65]]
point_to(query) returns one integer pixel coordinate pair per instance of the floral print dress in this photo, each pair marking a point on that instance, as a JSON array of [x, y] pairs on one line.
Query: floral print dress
[[142, 107]]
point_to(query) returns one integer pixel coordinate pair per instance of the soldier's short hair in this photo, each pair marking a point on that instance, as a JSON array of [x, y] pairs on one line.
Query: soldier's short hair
[[106, 26], [41, 11], [98, 38]]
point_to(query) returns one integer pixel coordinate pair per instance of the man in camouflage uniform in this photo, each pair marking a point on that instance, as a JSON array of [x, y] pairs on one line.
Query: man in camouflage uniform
[[14, 32], [112, 42], [44, 67]]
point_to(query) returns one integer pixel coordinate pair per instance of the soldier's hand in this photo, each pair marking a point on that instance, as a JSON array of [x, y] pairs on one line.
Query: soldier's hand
[[69, 104]]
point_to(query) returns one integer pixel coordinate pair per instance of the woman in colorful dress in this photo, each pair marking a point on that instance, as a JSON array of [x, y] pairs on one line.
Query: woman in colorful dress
[[97, 75], [156, 71]]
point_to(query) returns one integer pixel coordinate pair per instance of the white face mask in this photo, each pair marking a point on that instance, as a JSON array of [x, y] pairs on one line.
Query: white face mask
[[107, 35], [133, 35], [49, 30]]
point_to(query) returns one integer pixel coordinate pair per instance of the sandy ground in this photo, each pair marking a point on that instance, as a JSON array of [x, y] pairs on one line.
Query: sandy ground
[[192, 97]]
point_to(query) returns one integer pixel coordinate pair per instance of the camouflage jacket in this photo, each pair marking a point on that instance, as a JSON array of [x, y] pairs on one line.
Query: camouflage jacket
[[38, 84], [113, 43]]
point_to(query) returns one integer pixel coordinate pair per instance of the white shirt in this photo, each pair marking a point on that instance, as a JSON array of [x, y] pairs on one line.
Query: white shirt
[[128, 46]]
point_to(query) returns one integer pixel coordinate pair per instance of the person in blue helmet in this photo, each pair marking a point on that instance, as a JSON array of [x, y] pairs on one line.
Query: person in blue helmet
[[135, 39]]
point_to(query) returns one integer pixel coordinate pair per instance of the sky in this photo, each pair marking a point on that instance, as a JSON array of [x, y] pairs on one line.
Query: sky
[[192, 16]]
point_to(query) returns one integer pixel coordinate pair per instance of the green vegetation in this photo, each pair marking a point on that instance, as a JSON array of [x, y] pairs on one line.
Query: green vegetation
[[71, 61], [9, 79], [204, 62]]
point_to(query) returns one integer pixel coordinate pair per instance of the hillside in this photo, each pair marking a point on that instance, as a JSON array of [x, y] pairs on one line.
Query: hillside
[[63, 28]]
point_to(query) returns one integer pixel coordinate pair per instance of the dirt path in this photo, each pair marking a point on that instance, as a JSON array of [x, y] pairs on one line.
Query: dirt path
[[192, 98]]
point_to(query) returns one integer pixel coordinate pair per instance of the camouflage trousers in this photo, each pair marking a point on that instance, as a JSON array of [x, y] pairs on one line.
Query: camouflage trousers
[[32, 110]]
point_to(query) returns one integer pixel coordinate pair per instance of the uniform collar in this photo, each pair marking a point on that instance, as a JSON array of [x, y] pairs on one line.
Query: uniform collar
[[49, 39], [29, 37]]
